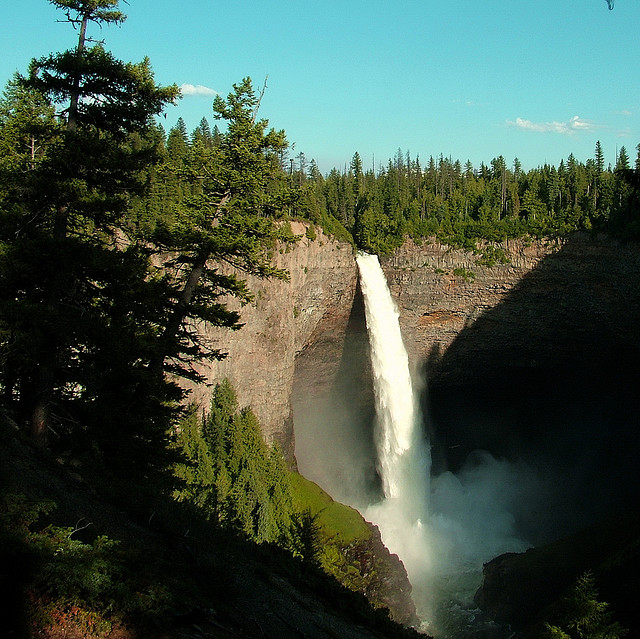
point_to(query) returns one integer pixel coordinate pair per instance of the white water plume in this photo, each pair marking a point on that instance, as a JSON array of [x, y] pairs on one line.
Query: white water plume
[[469, 521], [403, 454]]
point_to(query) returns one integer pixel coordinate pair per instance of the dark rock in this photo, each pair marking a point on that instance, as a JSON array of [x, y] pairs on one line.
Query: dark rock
[[523, 589]]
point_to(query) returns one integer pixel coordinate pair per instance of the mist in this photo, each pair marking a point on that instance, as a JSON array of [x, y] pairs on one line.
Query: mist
[[443, 526], [472, 515]]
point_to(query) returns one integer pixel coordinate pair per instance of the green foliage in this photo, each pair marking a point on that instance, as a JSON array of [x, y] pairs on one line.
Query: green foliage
[[305, 535], [89, 201], [583, 616], [233, 477], [89, 582], [335, 519], [467, 206], [222, 210], [74, 571], [491, 255], [467, 275], [343, 541], [79, 313], [241, 485]]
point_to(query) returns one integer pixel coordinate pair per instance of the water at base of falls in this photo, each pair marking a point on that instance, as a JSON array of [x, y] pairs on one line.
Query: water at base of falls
[[403, 453]]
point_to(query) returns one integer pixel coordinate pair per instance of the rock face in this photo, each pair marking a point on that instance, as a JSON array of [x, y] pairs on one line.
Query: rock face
[[536, 361], [557, 304], [516, 352], [526, 589], [442, 291], [540, 352], [553, 302], [283, 319]]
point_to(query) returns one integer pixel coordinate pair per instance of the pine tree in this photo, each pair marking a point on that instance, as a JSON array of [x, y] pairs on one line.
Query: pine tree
[[231, 474], [583, 616], [72, 224], [178, 141], [599, 158], [229, 220], [622, 161]]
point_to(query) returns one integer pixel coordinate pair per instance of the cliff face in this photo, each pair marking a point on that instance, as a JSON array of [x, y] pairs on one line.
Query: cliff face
[[553, 303], [540, 352], [441, 291], [283, 319], [512, 353], [534, 361]]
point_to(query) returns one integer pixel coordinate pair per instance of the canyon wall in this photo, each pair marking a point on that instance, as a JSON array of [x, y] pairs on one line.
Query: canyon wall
[[284, 318], [564, 307], [563, 301], [440, 291], [539, 353], [534, 360]]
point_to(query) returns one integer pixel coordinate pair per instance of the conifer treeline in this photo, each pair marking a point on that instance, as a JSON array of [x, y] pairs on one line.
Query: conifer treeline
[[458, 203], [461, 203]]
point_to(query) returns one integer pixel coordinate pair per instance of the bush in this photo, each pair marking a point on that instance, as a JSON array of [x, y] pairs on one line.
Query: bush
[[468, 276]]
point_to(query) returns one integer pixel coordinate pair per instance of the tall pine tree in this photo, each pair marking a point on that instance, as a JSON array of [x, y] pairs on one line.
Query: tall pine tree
[[65, 257]]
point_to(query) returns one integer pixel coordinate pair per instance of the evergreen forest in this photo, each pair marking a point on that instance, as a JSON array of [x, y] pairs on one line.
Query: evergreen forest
[[117, 238], [461, 205]]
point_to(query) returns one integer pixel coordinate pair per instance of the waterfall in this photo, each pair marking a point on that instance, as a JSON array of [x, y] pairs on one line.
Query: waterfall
[[403, 454], [403, 462], [443, 543]]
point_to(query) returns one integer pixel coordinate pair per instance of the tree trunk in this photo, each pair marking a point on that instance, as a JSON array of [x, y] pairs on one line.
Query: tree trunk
[[41, 412], [45, 372], [185, 298], [72, 116], [45, 376]]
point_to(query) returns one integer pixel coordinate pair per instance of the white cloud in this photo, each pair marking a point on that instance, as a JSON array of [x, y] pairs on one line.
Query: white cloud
[[576, 123], [197, 89]]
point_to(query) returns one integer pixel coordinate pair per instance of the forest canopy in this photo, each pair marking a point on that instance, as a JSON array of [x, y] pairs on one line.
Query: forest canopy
[[462, 205]]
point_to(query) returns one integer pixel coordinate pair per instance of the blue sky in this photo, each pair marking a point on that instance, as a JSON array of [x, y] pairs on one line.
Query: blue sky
[[473, 80]]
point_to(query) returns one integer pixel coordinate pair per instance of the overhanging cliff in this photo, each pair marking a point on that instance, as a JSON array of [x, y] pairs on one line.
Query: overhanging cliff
[[529, 353]]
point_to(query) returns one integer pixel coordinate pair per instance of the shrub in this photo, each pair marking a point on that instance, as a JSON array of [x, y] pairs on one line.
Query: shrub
[[583, 616]]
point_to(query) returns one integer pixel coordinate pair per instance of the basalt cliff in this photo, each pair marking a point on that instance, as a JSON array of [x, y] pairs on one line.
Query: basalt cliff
[[561, 311], [284, 318]]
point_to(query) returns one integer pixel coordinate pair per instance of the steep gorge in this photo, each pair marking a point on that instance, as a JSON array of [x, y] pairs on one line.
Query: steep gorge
[[534, 360], [285, 317], [559, 307]]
